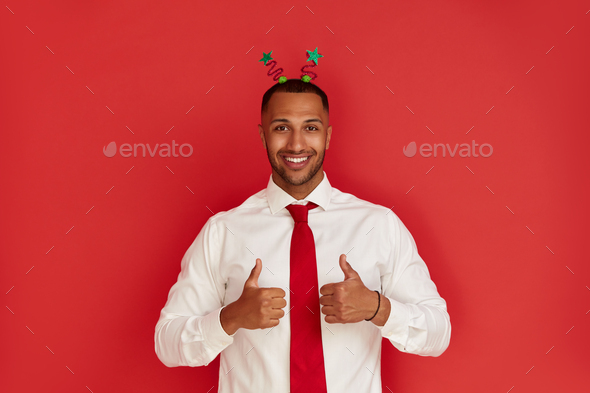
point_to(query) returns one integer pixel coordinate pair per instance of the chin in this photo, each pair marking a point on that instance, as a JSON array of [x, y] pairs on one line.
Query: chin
[[297, 178]]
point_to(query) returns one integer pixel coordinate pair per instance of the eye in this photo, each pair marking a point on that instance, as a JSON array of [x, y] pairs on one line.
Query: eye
[[314, 127], [277, 127]]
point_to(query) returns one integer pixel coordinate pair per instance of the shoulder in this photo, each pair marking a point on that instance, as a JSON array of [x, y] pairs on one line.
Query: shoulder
[[345, 200], [252, 204], [381, 217]]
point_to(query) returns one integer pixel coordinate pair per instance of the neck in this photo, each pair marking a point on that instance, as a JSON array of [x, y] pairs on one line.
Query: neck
[[301, 191]]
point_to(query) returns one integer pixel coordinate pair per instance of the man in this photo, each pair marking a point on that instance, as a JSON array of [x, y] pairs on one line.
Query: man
[[221, 304]]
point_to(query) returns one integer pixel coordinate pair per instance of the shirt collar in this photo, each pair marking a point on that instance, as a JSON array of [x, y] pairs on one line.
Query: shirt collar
[[278, 198]]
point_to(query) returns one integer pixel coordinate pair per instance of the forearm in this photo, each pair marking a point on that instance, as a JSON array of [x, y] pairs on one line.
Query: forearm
[[421, 329], [190, 340]]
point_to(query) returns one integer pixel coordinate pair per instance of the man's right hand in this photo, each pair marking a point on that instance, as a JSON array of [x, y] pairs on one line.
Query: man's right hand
[[257, 308]]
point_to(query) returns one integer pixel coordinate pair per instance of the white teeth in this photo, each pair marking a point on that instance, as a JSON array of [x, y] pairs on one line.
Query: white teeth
[[296, 159]]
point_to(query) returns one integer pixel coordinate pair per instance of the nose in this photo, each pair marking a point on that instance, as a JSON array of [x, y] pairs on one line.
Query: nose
[[297, 141]]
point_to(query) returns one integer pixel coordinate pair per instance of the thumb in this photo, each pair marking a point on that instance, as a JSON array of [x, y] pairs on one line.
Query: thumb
[[349, 272], [252, 280]]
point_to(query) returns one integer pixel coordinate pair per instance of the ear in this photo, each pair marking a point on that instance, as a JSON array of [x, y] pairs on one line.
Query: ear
[[329, 131], [261, 132]]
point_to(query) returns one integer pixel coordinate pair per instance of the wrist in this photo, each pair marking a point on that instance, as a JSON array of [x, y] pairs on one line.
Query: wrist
[[371, 314], [384, 311], [228, 319]]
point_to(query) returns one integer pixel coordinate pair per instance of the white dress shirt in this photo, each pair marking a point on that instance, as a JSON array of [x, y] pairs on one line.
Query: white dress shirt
[[215, 267]]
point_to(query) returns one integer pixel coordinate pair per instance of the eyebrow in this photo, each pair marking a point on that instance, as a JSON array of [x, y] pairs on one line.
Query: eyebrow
[[287, 121]]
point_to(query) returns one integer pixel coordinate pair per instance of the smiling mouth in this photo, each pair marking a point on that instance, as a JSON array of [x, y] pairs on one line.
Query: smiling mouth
[[296, 159], [295, 162]]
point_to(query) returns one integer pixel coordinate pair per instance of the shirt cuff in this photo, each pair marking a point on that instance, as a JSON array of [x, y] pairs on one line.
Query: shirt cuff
[[213, 339], [397, 327], [215, 336]]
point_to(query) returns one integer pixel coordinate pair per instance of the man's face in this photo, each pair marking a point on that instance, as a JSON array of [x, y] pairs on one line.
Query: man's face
[[295, 125]]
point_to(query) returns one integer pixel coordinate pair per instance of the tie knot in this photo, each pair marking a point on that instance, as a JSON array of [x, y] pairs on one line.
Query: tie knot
[[299, 212]]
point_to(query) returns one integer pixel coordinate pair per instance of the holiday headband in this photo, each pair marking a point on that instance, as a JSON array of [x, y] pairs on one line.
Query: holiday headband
[[305, 77]]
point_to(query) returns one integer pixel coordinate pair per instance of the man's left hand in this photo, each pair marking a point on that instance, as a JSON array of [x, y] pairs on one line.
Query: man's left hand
[[348, 301]]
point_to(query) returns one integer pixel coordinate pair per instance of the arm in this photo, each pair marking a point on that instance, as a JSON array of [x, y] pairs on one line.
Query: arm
[[189, 331], [415, 316]]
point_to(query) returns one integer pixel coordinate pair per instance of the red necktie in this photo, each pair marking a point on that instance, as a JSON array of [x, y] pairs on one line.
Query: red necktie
[[307, 356]]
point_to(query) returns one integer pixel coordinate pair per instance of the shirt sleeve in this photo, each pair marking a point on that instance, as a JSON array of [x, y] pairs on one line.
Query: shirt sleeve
[[418, 322], [189, 331]]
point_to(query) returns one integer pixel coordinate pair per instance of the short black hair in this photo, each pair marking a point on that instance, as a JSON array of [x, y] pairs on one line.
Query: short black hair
[[294, 86]]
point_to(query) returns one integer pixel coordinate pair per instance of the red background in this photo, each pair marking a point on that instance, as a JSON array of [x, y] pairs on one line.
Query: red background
[[503, 236]]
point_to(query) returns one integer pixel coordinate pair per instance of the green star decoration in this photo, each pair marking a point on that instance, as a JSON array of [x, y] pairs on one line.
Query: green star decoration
[[314, 55], [266, 57]]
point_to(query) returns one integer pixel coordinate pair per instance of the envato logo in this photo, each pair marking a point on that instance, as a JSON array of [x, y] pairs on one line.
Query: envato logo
[[465, 150], [164, 150]]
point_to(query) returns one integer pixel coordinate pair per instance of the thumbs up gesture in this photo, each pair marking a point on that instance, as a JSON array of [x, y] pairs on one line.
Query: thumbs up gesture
[[252, 281], [348, 301], [257, 308]]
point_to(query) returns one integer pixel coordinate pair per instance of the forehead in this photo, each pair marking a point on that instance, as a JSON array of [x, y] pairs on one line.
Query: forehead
[[295, 105]]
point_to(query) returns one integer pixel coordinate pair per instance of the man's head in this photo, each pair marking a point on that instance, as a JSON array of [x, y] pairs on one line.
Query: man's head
[[294, 86], [295, 123]]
